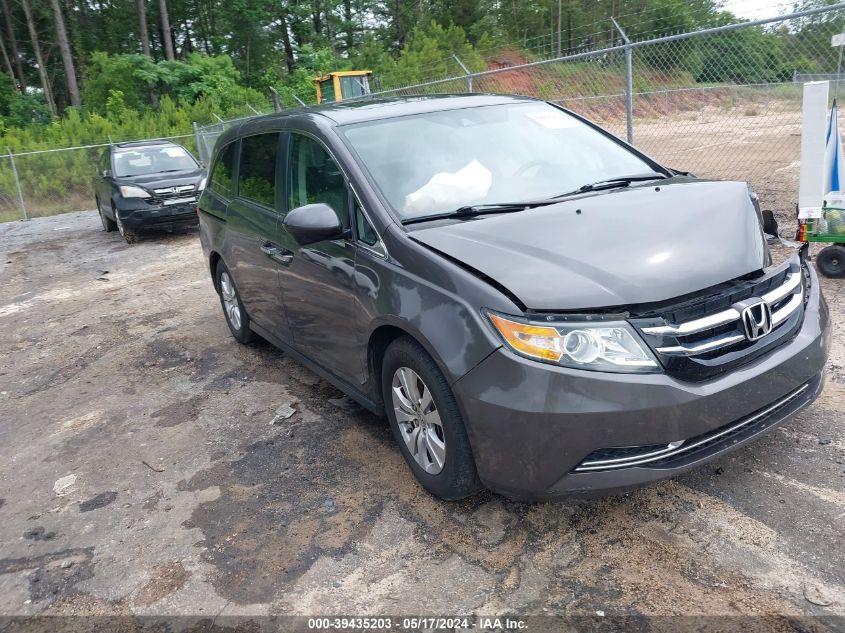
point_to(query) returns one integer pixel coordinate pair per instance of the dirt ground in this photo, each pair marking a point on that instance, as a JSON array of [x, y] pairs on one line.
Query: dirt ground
[[140, 474]]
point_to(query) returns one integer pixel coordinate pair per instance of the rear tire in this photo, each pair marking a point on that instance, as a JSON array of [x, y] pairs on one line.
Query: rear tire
[[831, 261], [109, 225], [427, 422], [127, 235], [233, 309]]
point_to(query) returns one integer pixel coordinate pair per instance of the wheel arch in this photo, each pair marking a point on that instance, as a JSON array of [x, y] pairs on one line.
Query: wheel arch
[[214, 258], [381, 336]]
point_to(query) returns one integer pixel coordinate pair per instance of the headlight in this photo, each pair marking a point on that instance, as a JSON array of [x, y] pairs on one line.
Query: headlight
[[128, 191], [202, 184], [605, 346]]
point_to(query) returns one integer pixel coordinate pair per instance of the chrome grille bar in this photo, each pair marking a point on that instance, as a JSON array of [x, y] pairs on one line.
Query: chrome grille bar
[[705, 346], [174, 190], [782, 314], [792, 281]]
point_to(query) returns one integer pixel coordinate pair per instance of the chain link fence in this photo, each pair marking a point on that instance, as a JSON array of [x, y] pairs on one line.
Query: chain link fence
[[720, 103], [47, 182], [205, 136]]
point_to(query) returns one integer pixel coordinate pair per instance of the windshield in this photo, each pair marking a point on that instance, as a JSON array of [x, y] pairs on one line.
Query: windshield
[[432, 163], [154, 160]]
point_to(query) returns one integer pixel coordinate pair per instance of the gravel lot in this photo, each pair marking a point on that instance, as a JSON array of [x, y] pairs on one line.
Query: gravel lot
[[140, 475]]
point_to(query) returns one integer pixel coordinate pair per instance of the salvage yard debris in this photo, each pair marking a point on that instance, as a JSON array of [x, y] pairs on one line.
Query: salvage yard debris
[[284, 412], [64, 485]]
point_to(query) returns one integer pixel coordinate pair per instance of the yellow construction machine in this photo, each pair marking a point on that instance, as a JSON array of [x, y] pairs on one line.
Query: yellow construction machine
[[343, 84]]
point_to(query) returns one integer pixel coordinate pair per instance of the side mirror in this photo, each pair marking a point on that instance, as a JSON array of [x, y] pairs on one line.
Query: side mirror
[[313, 223]]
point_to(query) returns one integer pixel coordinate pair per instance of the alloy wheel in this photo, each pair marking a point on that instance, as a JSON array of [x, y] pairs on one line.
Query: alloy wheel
[[418, 419], [230, 301]]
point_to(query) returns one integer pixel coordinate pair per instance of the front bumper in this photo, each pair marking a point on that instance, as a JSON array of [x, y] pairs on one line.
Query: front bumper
[[532, 424], [140, 215]]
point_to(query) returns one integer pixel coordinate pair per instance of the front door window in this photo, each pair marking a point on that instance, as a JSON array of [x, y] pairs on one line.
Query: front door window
[[315, 177]]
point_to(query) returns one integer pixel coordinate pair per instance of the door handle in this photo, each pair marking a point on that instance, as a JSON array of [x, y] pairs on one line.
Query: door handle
[[277, 254]]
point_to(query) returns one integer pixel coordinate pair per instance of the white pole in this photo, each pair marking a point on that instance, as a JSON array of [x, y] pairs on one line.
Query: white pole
[[813, 123]]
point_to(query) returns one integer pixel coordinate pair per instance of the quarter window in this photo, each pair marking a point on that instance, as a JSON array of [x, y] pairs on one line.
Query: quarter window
[[314, 177], [221, 177], [366, 233], [257, 172]]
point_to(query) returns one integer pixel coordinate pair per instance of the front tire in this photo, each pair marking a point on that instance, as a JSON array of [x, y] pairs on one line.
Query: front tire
[[831, 261], [233, 309], [427, 422], [109, 225], [126, 234]]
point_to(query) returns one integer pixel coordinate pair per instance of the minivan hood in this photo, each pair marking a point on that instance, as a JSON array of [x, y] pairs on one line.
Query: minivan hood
[[627, 246]]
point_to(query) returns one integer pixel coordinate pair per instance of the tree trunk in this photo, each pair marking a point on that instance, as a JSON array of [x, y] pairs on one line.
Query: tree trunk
[[397, 22], [143, 33], [13, 43], [67, 55], [36, 47], [6, 62], [290, 61], [317, 18], [166, 33], [349, 28]]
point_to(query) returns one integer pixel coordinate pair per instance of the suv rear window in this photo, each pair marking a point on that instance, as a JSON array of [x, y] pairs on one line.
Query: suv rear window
[[221, 177]]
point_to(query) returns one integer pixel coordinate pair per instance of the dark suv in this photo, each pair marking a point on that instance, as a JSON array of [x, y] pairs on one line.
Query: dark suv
[[534, 304], [147, 185]]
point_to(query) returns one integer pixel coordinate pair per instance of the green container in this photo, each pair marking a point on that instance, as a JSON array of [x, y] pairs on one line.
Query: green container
[[835, 221]]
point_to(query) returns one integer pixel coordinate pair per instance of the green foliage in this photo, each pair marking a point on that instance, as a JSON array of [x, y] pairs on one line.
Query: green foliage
[[131, 75], [8, 93], [27, 110], [428, 54], [20, 110], [138, 78]]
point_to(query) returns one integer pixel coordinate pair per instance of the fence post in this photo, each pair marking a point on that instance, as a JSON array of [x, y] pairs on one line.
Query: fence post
[[17, 182], [629, 82], [200, 141], [277, 104], [466, 72]]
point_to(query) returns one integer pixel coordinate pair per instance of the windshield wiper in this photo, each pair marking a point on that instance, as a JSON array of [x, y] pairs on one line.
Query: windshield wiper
[[613, 183], [473, 210]]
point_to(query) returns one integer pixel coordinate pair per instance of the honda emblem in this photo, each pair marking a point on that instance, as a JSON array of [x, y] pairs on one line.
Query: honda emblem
[[756, 320]]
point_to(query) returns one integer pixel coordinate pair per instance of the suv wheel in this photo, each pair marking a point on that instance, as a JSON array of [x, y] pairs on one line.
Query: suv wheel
[[109, 225], [426, 421], [130, 238], [831, 261], [236, 317]]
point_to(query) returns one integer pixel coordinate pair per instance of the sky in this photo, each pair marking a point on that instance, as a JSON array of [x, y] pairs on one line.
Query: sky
[[757, 9]]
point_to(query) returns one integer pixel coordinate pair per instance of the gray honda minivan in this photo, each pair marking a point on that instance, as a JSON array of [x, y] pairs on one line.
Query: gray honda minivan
[[535, 305]]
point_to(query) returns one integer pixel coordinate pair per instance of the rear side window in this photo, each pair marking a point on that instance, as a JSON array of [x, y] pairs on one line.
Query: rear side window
[[221, 177], [315, 177], [257, 173]]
